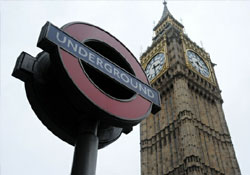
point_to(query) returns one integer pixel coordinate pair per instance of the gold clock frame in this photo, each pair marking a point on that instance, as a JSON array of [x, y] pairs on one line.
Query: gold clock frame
[[164, 68], [189, 45], [151, 53], [191, 66]]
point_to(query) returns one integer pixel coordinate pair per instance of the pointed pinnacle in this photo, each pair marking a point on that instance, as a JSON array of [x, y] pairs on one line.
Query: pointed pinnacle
[[164, 3]]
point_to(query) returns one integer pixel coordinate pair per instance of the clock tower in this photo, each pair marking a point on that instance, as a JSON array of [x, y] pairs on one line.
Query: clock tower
[[189, 136]]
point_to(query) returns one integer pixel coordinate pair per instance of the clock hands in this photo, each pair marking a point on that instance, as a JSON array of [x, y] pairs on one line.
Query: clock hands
[[202, 69], [153, 71], [197, 63], [154, 66]]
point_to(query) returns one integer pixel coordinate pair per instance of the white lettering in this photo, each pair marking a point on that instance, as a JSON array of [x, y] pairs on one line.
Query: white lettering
[[108, 67], [61, 41], [91, 57], [116, 72], [125, 78], [72, 45], [99, 62], [144, 89], [150, 93], [134, 85], [82, 52]]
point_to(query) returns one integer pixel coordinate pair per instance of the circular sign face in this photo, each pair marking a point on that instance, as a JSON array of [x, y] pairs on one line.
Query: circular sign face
[[111, 97]]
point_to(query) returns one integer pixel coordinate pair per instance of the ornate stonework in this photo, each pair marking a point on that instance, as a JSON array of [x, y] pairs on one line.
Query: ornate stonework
[[189, 136]]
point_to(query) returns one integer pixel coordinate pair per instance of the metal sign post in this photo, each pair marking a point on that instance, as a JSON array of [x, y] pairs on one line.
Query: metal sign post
[[85, 155]]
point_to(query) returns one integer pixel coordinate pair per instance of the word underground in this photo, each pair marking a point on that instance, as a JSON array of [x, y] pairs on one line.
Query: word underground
[[80, 51]]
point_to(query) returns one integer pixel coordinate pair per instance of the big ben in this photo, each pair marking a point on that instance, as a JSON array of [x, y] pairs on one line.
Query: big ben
[[189, 136]]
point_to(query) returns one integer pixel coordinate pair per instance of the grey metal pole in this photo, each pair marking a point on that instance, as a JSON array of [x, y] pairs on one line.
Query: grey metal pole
[[85, 155]]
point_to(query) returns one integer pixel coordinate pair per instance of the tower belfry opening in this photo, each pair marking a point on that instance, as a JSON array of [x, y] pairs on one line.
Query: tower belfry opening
[[189, 136]]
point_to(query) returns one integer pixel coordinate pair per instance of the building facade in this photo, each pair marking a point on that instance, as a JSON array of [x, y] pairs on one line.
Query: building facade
[[189, 136]]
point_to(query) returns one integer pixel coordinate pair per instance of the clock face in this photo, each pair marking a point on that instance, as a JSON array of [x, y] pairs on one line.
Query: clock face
[[197, 62], [155, 66]]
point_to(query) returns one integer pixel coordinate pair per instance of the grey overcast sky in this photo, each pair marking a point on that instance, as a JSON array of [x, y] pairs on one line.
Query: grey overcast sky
[[28, 148]]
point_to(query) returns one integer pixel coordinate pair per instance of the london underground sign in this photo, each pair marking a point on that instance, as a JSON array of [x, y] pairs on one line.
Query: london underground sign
[[85, 74], [86, 87], [51, 35]]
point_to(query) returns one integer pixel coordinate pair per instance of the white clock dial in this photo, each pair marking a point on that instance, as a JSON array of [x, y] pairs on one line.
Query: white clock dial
[[197, 62], [155, 66]]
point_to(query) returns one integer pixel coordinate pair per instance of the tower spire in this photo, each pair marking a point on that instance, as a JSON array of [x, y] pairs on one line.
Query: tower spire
[[165, 11], [164, 15], [164, 2]]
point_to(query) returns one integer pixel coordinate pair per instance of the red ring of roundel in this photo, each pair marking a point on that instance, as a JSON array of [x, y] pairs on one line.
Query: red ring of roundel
[[135, 109]]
